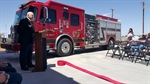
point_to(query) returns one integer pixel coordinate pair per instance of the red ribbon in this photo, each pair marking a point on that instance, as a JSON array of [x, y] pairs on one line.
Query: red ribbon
[[63, 63]]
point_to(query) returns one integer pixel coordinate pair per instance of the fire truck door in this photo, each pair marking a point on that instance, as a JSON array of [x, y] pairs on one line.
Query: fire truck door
[[51, 23], [64, 22], [71, 23]]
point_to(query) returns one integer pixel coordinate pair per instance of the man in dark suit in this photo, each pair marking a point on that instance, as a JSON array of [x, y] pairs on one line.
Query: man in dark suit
[[26, 31]]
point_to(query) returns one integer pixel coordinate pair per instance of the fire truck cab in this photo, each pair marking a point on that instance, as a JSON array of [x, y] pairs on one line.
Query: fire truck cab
[[67, 27]]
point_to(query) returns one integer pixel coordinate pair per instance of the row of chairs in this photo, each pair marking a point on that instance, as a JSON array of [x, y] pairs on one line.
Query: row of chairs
[[124, 51]]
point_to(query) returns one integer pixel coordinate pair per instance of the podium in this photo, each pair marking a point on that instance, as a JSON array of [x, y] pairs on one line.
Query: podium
[[40, 52]]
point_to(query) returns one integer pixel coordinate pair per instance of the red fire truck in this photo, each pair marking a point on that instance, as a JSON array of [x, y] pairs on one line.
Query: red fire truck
[[67, 27]]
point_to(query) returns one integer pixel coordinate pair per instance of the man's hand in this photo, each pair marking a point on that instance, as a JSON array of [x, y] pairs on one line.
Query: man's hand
[[3, 64], [45, 30], [7, 78], [4, 77]]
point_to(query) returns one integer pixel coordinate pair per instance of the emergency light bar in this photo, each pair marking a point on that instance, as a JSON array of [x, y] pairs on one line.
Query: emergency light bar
[[66, 8], [29, 1]]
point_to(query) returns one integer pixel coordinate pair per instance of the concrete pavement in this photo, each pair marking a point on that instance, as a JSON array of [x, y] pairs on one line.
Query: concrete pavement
[[93, 60]]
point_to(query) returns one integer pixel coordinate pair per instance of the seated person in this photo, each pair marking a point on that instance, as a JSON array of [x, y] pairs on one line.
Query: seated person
[[142, 42], [147, 42], [10, 78], [132, 41], [7, 67]]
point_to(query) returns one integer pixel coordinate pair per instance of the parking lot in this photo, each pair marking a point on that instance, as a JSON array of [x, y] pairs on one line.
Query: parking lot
[[93, 60]]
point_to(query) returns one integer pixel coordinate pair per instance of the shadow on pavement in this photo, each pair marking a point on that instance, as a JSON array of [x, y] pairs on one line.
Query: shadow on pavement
[[50, 76], [52, 54], [143, 62], [78, 51]]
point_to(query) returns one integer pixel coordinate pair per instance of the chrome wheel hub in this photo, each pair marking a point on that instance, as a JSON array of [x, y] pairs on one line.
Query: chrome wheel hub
[[65, 47]]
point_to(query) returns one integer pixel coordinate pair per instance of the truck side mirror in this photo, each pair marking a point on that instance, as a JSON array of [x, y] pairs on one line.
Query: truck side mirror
[[45, 13]]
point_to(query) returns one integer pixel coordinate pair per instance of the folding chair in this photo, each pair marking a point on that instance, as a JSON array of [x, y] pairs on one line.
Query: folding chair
[[113, 49], [147, 57], [144, 54], [123, 45], [129, 53]]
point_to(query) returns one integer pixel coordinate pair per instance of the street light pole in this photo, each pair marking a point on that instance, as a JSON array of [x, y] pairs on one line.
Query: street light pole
[[112, 12], [143, 8], [5, 31]]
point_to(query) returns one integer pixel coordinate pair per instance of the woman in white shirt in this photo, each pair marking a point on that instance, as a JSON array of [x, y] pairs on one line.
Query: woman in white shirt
[[131, 31]]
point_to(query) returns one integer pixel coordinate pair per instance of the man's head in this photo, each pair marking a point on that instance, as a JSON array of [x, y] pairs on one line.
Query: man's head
[[30, 15], [144, 35]]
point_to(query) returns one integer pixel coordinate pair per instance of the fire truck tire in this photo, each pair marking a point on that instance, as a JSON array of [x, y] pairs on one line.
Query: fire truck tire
[[64, 47], [110, 43]]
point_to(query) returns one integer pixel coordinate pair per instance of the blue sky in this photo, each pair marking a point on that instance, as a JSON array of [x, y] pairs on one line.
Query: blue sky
[[128, 11]]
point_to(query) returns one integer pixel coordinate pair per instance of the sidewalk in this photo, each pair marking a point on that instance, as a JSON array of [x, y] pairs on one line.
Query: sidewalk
[[53, 75], [92, 60]]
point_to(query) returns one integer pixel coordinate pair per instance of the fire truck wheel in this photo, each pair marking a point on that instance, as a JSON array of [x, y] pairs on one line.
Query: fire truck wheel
[[110, 43], [64, 47]]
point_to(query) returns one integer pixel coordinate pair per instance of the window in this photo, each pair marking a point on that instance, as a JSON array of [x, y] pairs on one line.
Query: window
[[65, 15], [17, 17], [51, 16], [32, 9], [74, 20], [24, 13], [41, 15]]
